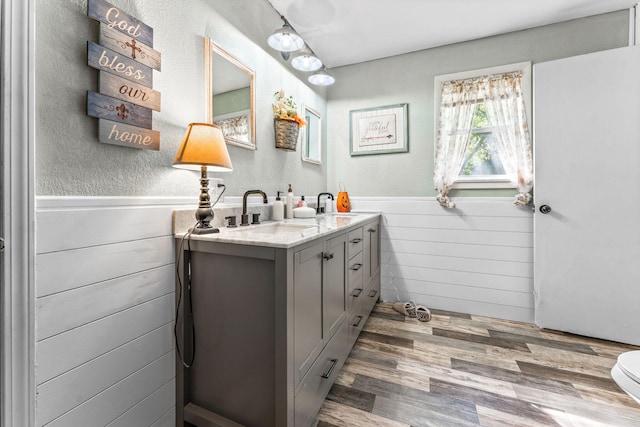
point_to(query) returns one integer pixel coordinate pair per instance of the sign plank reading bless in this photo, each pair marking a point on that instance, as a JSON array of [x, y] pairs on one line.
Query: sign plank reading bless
[[106, 107], [128, 136], [129, 47], [107, 60], [103, 11], [125, 90]]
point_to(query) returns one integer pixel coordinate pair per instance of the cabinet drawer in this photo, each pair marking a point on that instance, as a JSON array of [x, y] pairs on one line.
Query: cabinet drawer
[[354, 242], [321, 376]]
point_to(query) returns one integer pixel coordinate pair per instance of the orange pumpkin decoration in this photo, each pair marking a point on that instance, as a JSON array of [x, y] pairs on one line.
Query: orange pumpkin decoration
[[343, 203]]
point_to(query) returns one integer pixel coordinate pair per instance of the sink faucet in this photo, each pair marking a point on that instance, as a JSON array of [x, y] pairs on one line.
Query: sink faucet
[[318, 203], [245, 216]]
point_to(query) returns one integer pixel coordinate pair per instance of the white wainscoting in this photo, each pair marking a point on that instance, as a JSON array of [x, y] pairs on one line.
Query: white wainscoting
[[476, 258], [105, 270]]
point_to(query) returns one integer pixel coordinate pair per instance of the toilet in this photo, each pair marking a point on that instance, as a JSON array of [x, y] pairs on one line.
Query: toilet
[[626, 373]]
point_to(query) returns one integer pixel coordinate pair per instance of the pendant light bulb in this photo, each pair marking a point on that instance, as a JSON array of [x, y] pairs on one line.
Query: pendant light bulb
[[321, 78], [305, 60], [285, 39]]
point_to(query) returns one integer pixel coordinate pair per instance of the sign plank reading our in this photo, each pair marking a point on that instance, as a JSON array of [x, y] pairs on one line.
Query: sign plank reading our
[[106, 107], [128, 136], [115, 18], [125, 90], [107, 60], [129, 47]]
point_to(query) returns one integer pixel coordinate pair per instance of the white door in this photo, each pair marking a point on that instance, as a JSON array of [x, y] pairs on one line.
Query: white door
[[587, 170]]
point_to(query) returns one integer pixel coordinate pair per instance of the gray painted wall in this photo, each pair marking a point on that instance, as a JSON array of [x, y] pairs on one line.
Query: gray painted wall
[[409, 79], [71, 162]]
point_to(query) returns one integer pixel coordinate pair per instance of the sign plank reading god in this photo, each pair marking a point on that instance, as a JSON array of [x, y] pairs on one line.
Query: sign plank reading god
[[125, 90], [129, 47], [103, 11], [107, 60], [128, 136], [106, 107]]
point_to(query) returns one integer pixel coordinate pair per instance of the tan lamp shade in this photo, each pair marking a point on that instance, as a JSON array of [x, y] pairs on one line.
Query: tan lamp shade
[[203, 145]]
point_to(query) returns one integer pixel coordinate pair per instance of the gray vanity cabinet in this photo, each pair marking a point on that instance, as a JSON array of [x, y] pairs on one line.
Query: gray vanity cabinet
[[272, 325], [318, 299]]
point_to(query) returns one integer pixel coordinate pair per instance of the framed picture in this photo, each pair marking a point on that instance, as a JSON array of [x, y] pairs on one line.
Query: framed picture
[[235, 127], [378, 130]]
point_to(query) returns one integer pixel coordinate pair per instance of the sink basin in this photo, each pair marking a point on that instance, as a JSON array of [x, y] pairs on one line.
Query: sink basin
[[276, 229]]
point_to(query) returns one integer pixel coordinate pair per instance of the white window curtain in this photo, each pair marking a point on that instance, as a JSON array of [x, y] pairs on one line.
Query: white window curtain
[[506, 114], [504, 102], [458, 101]]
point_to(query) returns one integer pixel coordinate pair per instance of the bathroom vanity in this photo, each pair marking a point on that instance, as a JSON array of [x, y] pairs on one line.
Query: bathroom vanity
[[276, 309]]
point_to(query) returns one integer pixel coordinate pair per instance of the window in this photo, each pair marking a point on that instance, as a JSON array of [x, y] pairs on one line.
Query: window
[[482, 134], [481, 159]]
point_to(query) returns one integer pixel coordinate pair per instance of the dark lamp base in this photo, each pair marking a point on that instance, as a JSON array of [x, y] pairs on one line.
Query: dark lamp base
[[204, 230]]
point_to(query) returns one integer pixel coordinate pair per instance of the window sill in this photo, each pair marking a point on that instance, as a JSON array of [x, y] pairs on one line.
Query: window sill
[[482, 184]]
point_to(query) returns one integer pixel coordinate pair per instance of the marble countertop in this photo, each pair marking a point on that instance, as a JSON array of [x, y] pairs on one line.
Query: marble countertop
[[287, 233]]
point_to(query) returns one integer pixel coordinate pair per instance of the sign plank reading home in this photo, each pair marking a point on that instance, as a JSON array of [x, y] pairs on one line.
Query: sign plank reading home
[[115, 18], [125, 90], [107, 60], [106, 107], [128, 136], [129, 47]]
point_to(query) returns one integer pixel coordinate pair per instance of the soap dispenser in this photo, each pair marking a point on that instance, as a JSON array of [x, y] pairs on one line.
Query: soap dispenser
[[278, 209], [289, 209], [302, 203]]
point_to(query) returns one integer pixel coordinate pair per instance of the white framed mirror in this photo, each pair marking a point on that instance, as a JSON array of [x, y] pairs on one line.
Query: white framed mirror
[[312, 136], [230, 94]]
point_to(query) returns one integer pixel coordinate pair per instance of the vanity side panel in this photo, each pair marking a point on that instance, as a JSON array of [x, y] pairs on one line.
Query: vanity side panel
[[233, 309]]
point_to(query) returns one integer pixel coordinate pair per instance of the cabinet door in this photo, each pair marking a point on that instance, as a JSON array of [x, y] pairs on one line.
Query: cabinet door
[[307, 307], [334, 285], [371, 249]]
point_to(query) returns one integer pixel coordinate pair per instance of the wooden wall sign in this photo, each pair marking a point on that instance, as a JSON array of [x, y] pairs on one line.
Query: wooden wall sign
[[125, 59]]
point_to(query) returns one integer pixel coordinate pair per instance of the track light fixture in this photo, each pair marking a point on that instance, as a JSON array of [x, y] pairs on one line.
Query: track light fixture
[[286, 41]]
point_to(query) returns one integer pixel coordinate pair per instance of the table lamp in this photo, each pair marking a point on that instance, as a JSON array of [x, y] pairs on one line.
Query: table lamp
[[203, 148]]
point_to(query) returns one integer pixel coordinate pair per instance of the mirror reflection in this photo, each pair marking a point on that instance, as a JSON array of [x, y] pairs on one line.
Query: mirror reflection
[[230, 96], [312, 137]]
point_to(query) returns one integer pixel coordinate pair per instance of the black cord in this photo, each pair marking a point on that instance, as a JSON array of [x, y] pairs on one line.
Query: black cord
[[187, 236], [175, 325]]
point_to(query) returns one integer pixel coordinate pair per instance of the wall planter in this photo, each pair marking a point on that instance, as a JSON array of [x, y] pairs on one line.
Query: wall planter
[[286, 133]]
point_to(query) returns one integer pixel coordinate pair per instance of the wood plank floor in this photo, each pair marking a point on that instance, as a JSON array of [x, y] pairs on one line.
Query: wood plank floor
[[462, 370]]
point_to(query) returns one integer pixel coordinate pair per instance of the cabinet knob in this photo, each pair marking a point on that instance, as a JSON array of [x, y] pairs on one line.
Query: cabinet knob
[[373, 293], [371, 230], [356, 267], [356, 293], [356, 240], [327, 256]]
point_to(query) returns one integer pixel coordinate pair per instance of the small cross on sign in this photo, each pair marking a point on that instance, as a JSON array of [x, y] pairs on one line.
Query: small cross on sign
[[134, 48]]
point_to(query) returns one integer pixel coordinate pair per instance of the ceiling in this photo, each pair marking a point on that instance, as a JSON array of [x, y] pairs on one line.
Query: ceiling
[[343, 32]]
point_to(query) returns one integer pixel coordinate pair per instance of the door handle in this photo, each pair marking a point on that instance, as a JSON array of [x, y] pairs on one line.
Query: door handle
[[545, 209]]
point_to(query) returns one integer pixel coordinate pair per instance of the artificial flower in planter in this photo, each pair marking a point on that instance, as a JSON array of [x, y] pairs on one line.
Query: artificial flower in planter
[[287, 123]]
